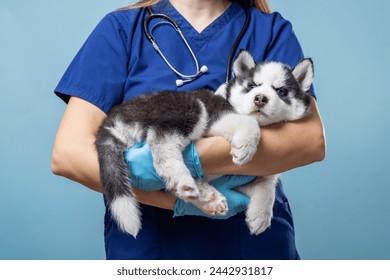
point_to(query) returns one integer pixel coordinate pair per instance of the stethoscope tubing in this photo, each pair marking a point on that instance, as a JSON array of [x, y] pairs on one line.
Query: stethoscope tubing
[[166, 60], [170, 21], [149, 35], [236, 43]]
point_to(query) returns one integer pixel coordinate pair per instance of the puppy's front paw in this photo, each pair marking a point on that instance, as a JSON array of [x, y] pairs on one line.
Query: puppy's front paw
[[243, 151], [244, 146], [258, 220]]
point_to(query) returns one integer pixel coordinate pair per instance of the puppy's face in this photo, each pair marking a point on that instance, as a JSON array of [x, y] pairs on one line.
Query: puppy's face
[[270, 91]]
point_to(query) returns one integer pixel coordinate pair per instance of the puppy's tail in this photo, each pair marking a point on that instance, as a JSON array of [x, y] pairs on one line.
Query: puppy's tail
[[114, 177]]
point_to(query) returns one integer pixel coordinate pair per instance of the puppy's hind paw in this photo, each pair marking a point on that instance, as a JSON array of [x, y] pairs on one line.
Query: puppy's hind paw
[[211, 201], [217, 207], [187, 192], [258, 223]]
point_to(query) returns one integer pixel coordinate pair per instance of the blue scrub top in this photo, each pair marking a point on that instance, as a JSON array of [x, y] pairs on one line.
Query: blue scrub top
[[117, 62]]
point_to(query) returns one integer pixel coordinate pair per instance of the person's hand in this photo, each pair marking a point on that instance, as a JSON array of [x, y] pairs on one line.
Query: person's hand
[[237, 202], [143, 174]]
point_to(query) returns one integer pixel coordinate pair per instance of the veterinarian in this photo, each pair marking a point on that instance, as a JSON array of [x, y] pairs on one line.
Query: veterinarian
[[118, 61]]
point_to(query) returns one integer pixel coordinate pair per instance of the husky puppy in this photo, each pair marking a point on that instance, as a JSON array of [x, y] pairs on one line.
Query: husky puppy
[[259, 94], [270, 92]]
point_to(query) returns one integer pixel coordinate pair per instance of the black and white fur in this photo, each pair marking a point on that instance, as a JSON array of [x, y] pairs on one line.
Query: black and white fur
[[168, 121]]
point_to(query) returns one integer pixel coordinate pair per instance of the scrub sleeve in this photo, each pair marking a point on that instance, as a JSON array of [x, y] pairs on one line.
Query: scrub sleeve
[[98, 72], [117, 62]]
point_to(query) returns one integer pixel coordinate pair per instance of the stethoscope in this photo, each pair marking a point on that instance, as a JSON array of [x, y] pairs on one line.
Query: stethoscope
[[199, 71]]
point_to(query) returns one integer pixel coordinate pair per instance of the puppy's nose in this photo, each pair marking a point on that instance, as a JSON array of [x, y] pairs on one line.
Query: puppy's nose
[[260, 100]]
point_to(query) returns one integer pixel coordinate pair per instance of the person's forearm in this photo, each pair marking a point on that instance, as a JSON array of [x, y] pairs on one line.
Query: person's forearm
[[83, 167], [77, 162], [282, 147]]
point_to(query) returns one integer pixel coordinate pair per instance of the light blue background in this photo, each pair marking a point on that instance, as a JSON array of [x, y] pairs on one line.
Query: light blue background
[[341, 205]]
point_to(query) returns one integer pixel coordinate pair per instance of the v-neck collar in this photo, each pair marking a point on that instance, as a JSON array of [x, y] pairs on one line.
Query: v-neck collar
[[199, 39]]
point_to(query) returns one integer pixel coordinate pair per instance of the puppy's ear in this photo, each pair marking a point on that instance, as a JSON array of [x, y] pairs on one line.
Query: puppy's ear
[[304, 73], [221, 91], [243, 63]]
